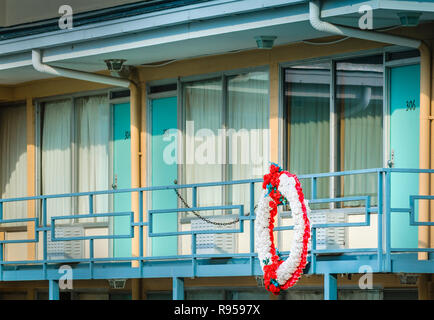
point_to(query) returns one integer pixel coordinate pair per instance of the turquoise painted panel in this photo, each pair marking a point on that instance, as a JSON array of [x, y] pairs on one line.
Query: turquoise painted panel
[[404, 143], [122, 176], [164, 171]]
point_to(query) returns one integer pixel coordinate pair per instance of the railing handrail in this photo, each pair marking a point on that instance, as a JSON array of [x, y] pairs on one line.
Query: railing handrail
[[212, 184]]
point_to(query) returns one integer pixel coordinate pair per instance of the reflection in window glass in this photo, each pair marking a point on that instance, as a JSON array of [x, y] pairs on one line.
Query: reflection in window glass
[[307, 100], [359, 97]]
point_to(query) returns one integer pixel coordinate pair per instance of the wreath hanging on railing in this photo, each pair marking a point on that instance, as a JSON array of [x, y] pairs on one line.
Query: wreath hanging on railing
[[281, 187]]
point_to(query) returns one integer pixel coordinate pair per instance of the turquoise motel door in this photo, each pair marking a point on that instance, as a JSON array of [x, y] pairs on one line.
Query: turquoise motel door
[[404, 149], [121, 177], [164, 172]]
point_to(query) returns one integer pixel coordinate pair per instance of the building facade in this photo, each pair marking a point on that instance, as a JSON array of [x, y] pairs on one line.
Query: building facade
[[134, 136]]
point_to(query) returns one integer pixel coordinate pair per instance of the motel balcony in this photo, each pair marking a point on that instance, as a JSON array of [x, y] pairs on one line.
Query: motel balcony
[[168, 231]]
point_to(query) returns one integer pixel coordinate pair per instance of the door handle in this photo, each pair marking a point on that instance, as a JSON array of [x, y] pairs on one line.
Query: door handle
[[115, 183], [391, 162]]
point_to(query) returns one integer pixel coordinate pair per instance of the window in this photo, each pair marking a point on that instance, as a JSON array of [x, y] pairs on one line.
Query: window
[[341, 134], [226, 135], [307, 93], [359, 99], [75, 153], [13, 161]]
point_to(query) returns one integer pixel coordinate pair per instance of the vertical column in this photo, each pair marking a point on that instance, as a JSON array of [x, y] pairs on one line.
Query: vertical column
[[330, 287], [53, 289], [31, 176], [143, 158], [178, 288], [136, 289], [424, 141], [135, 165], [274, 112]]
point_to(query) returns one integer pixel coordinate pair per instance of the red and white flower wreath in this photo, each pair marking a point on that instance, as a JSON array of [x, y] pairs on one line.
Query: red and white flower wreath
[[281, 187]]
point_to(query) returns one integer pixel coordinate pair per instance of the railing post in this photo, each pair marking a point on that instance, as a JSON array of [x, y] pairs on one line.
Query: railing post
[[141, 250], [313, 248], [193, 254], [91, 243], [53, 289], [380, 222], [252, 225], [45, 235], [178, 288], [314, 187], [90, 203], [330, 287], [388, 262], [1, 244], [194, 197]]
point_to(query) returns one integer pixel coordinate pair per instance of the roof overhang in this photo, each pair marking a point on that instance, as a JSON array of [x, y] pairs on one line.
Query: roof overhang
[[212, 27]]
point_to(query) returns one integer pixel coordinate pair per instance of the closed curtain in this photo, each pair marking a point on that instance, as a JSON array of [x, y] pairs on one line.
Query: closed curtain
[[13, 161], [93, 151], [203, 141], [248, 135], [75, 154], [307, 93], [56, 170]]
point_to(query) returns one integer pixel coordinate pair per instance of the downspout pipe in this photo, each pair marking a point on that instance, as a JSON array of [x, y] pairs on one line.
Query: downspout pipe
[[323, 26], [38, 65], [135, 123], [426, 146]]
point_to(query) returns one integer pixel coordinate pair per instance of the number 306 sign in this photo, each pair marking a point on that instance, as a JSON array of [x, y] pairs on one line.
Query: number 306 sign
[[411, 105]]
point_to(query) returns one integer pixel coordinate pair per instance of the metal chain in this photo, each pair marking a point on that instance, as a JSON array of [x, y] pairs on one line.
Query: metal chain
[[203, 218]]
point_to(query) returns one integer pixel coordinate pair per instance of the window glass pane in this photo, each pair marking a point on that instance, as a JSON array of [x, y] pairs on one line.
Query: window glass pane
[[56, 159], [93, 151], [247, 121], [13, 161], [307, 101], [78, 153], [359, 97], [203, 141]]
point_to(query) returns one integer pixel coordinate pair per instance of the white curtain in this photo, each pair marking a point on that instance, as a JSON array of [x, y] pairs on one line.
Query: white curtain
[[247, 120], [13, 161], [76, 167], [56, 171], [203, 162], [93, 151], [241, 150]]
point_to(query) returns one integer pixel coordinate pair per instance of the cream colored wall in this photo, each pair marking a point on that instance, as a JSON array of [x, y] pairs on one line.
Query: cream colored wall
[[16, 251], [101, 246], [6, 93], [362, 237], [24, 11]]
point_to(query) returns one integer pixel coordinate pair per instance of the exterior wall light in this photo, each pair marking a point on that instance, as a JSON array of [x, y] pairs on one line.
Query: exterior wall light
[[409, 19], [115, 65], [265, 42], [117, 283]]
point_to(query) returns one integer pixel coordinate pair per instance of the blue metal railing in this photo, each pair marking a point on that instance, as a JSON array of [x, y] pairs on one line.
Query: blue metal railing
[[381, 255]]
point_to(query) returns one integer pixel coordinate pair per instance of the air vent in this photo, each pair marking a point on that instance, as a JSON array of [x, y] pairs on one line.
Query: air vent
[[214, 243], [119, 94], [390, 56], [65, 249], [163, 88], [332, 237]]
